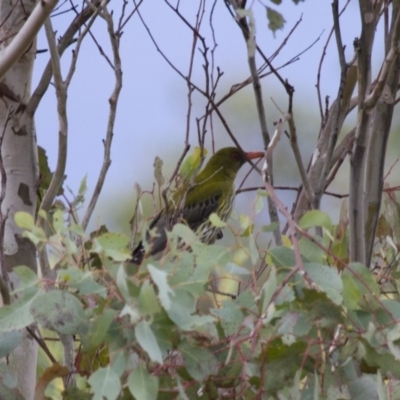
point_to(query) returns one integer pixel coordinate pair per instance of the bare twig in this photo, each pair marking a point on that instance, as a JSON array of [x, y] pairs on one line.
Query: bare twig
[[299, 161], [4, 280], [77, 48], [390, 58], [122, 22], [321, 62], [248, 34], [251, 48], [196, 36], [111, 117], [286, 39], [61, 94], [66, 40], [237, 87], [336, 111], [42, 344]]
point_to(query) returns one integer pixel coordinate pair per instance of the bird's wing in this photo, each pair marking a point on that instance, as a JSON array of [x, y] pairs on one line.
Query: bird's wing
[[195, 213]]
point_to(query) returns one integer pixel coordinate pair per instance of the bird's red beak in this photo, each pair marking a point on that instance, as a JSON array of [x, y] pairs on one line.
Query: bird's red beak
[[251, 155]]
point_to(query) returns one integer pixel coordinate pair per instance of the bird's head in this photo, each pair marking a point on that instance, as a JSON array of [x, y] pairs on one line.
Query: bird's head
[[229, 160]]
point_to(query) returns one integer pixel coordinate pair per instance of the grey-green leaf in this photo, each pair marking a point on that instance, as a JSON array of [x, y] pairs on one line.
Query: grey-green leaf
[[60, 311], [148, 341], [18, 314], [9, 341], [105, 384], [142, 385], [164, 290], [199, 362], [275, 19], [328, 279]]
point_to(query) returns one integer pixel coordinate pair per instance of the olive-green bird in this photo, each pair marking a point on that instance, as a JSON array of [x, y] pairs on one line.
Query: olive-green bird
[[213, 191]]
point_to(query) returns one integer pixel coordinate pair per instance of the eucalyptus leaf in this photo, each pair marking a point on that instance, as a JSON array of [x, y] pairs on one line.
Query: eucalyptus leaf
[[328, 279], [27, 278], [142, 385], [199, 362], [119, 364], [282, 257], [18, 315], [275, 19], [191, 163], [254, 255], [231, 317], [158, 175], [24, 220], [99, 326], [268, 289], [184, 233], [183, 317], [363, 388], [160, 278], [209, 257], [112, 243], [216, 221], [9, 341], [83, 281], [147, 300], [234, 269], [8, 380], [60, 311], [315, 218], [105, 384], [58, 221], [148, 341]]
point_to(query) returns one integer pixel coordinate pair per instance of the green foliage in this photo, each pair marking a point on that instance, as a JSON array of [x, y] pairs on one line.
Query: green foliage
[[192, 163], [142, 385], [158, 175], [275, 19], [163, 330], [45, 175], [59, 311]]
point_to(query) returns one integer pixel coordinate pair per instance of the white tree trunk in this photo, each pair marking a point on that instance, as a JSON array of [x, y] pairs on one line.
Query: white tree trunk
[[19, 153]]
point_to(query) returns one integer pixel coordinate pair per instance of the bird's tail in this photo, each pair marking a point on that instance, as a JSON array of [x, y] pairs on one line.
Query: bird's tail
[[137, 254]]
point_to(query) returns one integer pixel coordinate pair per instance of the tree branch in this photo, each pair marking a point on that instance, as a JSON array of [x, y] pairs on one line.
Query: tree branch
[[26, 34], [111, 117], [380, 130], [358, 158], [61, 94], [66, 40], [386, 69]]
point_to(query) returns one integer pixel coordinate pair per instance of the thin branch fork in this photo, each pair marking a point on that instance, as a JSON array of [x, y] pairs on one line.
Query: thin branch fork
[[293, 230], [390, 58], [336, 117], [297, 155], [248, 34], [113, 101]]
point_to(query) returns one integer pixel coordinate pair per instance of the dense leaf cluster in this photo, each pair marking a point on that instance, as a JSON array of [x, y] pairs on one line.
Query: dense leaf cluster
[[318, 329]]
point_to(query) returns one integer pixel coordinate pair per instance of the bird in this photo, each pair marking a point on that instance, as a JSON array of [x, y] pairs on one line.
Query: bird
[[212, 191]]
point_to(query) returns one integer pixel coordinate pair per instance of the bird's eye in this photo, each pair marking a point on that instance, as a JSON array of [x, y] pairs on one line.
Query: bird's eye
[[235, 156]]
